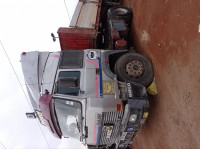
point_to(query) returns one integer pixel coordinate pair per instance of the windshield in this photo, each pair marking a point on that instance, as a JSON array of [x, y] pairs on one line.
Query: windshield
[[68, 113]]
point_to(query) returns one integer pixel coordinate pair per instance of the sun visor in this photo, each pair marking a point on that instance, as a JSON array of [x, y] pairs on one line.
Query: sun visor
[[33, 64]]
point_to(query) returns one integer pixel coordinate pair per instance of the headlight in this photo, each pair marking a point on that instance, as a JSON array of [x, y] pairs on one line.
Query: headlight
[[133, 118]]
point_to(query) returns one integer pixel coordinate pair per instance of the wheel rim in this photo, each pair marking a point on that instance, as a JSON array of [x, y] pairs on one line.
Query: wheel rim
[[120, 11], [135, 69]]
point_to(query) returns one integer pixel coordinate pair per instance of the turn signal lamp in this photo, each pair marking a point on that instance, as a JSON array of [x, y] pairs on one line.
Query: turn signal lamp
[[145, 115]]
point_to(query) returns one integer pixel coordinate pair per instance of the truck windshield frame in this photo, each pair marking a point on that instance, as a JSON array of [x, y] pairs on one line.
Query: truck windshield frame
[[69, 117]]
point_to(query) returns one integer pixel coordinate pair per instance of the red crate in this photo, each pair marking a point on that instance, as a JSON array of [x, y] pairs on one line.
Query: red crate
[[77, 38]]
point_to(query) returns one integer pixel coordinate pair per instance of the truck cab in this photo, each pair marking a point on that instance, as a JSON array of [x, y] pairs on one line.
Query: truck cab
[[80, 96]]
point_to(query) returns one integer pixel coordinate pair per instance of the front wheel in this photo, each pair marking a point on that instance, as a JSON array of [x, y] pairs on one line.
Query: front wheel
[[135, 68]]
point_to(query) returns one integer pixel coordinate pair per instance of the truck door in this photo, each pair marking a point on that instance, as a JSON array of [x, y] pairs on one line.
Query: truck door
[[93, 85], [70, 82]]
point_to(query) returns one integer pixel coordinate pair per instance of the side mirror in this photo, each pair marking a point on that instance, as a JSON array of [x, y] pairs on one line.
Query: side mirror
[[53, 36]]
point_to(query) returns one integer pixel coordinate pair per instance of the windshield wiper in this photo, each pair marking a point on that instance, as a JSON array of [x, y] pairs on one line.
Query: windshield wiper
[[78, 126]]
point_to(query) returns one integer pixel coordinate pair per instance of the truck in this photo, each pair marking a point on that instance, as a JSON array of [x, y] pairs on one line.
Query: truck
[[94, 89]]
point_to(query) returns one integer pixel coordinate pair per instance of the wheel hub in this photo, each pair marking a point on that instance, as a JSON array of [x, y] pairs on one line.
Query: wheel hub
[[135, 69]]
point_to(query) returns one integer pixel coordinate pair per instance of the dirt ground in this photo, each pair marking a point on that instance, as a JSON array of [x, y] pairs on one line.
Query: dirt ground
[[168, 33]]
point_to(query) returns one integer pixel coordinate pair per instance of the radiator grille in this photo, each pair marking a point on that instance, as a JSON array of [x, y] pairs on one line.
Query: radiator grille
[[110, 119]]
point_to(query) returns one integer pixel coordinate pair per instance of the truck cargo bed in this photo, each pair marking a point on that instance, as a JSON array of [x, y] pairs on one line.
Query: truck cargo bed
[[86, 14]]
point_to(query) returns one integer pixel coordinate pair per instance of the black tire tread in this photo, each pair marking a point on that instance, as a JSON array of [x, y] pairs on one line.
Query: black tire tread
[[126, 17], [148, 75]]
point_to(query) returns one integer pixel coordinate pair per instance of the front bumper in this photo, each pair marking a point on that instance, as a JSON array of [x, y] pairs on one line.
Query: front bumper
[[135, 115], [138, 110], [119, 127]]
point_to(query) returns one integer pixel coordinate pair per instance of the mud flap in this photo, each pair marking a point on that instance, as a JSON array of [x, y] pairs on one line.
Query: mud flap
[[152, 88]]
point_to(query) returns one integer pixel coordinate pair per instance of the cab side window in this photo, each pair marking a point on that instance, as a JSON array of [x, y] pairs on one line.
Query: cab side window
[[68, 83]]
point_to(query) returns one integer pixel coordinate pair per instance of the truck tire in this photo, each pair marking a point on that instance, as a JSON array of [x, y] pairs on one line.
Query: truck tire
[[120, 13], [135, 68]]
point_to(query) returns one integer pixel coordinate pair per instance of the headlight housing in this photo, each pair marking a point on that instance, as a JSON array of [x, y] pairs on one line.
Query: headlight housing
[[133, 118]]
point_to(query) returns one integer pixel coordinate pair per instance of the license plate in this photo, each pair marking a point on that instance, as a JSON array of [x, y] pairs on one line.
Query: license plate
[[109, 133], [108, 130]]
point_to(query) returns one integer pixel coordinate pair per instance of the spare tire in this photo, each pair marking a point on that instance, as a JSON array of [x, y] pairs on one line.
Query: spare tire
[[134, 67], [120, 13]]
